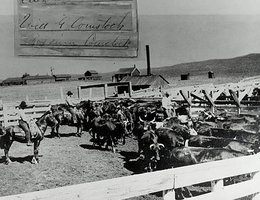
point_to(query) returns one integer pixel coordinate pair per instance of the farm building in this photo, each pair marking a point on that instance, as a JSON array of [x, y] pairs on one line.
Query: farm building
[[92, 75], [185, 76], [125, 72], [13, 81], [62, 77], [143, 82], [38, 79]]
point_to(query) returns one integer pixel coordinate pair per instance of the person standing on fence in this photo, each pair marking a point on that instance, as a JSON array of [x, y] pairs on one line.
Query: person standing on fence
[[71, 106], [24, 122]]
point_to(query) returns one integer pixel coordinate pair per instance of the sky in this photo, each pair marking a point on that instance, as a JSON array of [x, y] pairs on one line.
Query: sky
[[177, 31]]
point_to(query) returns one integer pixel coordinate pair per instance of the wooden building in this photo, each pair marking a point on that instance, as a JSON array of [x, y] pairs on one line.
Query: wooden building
[[143, 82], [62, 77], [92, 75], [185, 76], [38, 79], [211, 74], [125, 72], [13, 81]]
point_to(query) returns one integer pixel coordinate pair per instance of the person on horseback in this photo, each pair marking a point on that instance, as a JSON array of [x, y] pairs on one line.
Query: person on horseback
[[168, 105], [71, 106], [24, 122]]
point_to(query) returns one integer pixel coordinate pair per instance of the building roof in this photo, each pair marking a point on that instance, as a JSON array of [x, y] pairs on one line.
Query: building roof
[[92, 71], [126, 70], [13, 79], [145, 80], [37, 77], [62, 75]]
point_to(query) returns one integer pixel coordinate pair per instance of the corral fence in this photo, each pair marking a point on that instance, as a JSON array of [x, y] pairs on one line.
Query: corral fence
[[166, 182], [8, 111]]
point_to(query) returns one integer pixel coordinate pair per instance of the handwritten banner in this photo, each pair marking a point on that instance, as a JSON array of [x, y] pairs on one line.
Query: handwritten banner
[[77, 28]]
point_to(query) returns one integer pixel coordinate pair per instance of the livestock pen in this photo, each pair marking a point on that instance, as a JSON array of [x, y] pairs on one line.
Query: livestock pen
[[166, 181]]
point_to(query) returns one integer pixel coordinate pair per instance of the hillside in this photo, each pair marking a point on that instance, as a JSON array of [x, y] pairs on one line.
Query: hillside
[[230, 69]]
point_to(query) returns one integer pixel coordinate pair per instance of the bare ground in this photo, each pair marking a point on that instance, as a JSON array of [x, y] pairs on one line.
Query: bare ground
[[66, 161]]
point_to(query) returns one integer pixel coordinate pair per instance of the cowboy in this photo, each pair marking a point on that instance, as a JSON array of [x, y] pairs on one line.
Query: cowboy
[[168, 105], [24, 122], [71, 106]]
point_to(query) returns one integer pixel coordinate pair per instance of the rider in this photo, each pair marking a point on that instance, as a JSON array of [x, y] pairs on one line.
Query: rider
[[167, 104], [24, 122], [71, 106]]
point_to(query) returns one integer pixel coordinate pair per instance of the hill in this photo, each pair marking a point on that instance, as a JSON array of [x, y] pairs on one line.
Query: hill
[[227, 70]]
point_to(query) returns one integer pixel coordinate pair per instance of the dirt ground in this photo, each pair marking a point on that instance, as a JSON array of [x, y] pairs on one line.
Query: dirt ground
[[66, 161]]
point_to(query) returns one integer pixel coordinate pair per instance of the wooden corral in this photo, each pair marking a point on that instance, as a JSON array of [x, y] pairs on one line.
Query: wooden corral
[[166, 181]]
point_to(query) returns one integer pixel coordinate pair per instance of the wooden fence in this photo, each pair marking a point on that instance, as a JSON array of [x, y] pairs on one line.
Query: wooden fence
[[37, 109], [166, 181]]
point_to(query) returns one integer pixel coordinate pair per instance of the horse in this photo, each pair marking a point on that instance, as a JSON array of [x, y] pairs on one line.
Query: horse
[[64, 117], [15, 133]]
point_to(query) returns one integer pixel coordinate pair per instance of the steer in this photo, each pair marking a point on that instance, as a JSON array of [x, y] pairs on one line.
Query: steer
[[217, 142]]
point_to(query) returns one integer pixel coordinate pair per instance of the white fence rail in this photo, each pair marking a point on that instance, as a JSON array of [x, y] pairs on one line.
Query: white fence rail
[[38, 108], [166, 181]]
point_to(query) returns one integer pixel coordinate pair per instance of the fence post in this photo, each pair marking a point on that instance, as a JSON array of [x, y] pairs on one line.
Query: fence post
[[257, 179], [5, 115], [105, 90], [79, 92], [61, 93], [169, 194], [217, 185], [90, 93]]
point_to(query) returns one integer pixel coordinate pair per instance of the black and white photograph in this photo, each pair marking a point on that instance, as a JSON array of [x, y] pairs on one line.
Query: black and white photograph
[[129, 99]]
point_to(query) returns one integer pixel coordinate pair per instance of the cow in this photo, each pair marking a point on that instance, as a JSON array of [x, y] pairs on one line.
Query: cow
[[215, 142], [182, 156]]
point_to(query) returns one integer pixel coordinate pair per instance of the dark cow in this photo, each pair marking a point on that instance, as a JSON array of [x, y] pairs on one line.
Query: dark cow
[[235, 134], [183, 156], [214, 142], [105, 131]]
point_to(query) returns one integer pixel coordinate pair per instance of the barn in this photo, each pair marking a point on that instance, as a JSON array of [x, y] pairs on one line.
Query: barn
[[92, 75], [143, 82], [13, 81], [62, 77], [125, 72], [38, 79]]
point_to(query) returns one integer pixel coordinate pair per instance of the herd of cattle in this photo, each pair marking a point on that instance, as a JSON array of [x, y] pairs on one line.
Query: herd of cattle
[[165, 142]]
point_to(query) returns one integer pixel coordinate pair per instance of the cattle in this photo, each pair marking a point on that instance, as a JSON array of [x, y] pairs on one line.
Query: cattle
[[235, 134], [155, 144], [149, 149], [105, 131], [182, 156], [215, 142]]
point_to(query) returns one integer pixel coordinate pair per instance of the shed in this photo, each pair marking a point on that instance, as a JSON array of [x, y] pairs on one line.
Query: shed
[[211, 74], [185, 76], [92, 75], [13, 81], [124, 72], [38, 79], [143, 82], [62, 77]]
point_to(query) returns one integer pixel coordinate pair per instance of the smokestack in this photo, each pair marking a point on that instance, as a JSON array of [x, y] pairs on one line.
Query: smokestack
[[148, 60]]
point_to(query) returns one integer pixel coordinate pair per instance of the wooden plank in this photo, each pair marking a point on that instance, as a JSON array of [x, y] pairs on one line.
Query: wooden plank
[[208, 97], [216, 170], [231, 192], [185, 97], [235, 98], [77, 28], [113, 189]]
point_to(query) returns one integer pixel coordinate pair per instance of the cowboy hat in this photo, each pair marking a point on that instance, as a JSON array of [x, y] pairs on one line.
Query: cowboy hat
[[23, 105], [69, 93]]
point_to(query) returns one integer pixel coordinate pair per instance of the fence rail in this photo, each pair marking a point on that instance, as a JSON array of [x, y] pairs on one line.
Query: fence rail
[[38, 108], [165, 181]]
